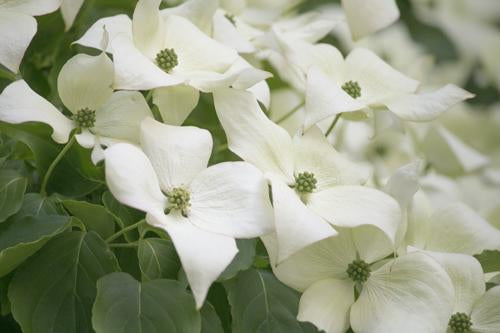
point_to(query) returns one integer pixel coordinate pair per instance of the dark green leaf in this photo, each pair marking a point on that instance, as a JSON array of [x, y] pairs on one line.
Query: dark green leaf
[[94, 217], [260, 303], [210, 322], [12, 187], [158, 259], [55, 289], [490, 260], [125, 305], [243, 259], [123, 215]]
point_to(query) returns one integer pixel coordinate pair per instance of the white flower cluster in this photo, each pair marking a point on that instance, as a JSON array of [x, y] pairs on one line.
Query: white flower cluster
[[377, 240]]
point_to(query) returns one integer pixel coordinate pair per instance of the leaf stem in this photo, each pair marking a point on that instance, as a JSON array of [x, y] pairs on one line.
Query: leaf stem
[[46, 177], [334, 122], [124, 230], [290, 113]]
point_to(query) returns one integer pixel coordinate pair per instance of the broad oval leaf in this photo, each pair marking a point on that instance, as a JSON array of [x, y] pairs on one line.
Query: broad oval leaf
[[210, 321], [94, 217], [158, 259], [243, 259], [124, 305], [12, 188], [55, 289]]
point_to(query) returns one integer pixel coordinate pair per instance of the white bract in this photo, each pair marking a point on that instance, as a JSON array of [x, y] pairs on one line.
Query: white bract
[[85, 84], [202, 209], [313, 186]]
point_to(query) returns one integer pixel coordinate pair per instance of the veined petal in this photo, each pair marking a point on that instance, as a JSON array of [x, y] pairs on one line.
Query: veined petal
[[16, 31], [120, 117], [148, 27], [86, 82], [427, 106], [485, 316], [353, 206], [328, 258], [296, 225], [199, 12], [132, 179], [134, 71], [252, 136], [326, 304], [195, 50], [410, 294], [30, 7], [365, 18], [457, 228], [177, 153], [313, 153], [175, 103], [69, 10], [204, 255], [115, 25], [232, 199], [19, 104]]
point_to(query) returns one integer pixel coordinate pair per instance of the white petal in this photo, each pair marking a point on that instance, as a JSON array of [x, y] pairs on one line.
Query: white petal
[[177, 153], [97, 154], [120, 117], [16, 32], [134, 71], [30, 7], [115, 25], [69, 10], [410, 294], [457, 228], [195, 50], [296, 225], [19, 104], [86, 139], [427, 106], [485, 316], [232, 199], [199, 12], [262, 93], [419, 213], [204, 255], [326, 304], [225, 31], [467, 277], [132, 179], [313, 153], [148, 27], [85, 82], [325, 98], [309, 27], [403, 184], [365, 17], [372, 243], [353, 206], [325, 259], [252, 136], [175, 103]]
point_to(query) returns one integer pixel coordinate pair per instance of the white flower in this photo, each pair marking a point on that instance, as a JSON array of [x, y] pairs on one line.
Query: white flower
[[347, 282], [17, 27], [313, 186], [202, 209], [69, 10], [85, 87]]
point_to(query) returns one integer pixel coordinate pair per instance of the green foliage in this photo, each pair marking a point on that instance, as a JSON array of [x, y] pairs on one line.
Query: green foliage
[[12, 187], [490, 260], [94, 217], [158, 259]]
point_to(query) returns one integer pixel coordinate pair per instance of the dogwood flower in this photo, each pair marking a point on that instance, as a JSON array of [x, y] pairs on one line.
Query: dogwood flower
[[85, 83], [17, 28], [346, 281], [202, 209], [313, 186]]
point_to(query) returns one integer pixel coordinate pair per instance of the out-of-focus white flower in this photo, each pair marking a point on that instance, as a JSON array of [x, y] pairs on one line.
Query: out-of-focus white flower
[[313, 186], [85, 87], [69, 10], [202, 209], [347, 282], [17, 28]]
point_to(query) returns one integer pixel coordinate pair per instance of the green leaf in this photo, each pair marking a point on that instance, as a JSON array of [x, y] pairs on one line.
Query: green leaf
[[126, 305], [123, 215], [210, 322], [490, 260], [242, 261], [55, 289], [12, 188], [260, 303], [158, 259], [94, 217]]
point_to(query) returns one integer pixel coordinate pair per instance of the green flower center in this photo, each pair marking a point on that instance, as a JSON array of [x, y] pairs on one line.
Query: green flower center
[[84, 118], [230, 17], [460, 323], [167, 59], [358, 271], [352, 88], [178, 200], [305, 182]]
